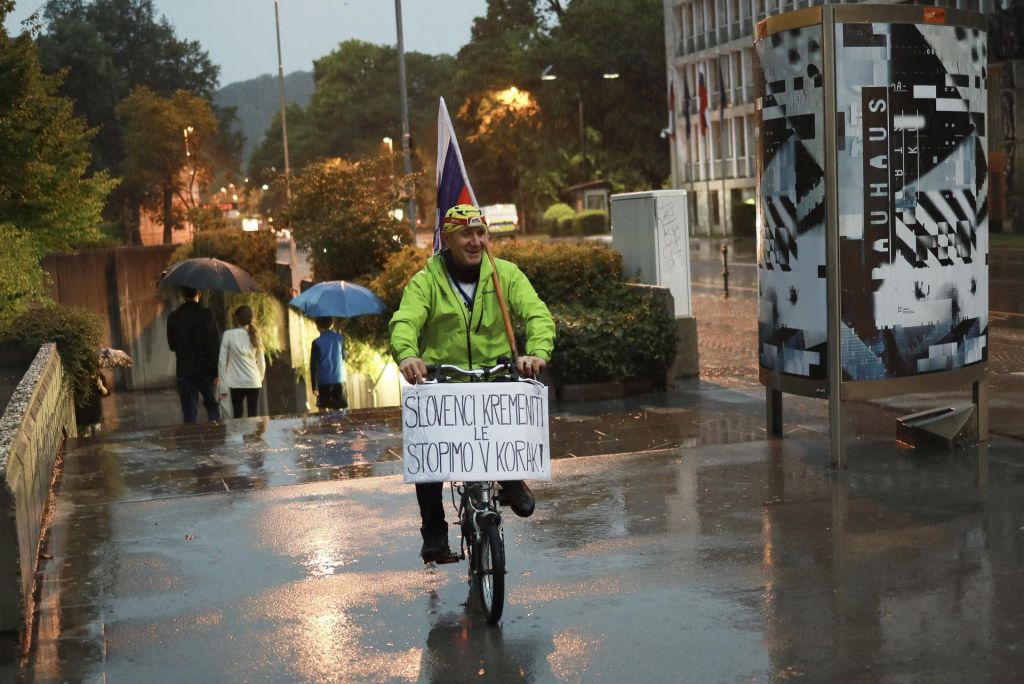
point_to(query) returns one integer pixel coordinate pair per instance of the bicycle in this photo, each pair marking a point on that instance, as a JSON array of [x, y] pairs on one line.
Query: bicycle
[[479, 507]]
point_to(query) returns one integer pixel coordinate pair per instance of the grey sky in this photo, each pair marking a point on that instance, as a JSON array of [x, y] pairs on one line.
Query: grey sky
[[239, 34]]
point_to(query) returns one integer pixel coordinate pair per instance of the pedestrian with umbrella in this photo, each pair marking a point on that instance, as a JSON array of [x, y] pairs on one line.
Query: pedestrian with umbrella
[[192, 331], [192, 336], [324, 301]]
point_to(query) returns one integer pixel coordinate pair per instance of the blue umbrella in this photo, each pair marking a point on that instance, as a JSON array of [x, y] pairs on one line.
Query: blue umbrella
[[338, 298]]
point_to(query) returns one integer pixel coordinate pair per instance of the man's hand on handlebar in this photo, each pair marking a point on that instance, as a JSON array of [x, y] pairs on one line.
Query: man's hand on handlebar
[[413, 370], [530, 366]]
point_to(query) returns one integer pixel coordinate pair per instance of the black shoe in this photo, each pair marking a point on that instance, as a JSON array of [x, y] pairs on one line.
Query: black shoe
[[435, 546], [518, 496]]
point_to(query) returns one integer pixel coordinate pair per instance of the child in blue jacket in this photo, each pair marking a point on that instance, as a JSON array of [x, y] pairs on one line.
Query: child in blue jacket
[[327, 367]]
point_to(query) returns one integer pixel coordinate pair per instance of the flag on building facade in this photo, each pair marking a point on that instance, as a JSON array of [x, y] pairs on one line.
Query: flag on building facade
[[452, 182], [686, 104], [702, 99], [723, 101], [671, 128]]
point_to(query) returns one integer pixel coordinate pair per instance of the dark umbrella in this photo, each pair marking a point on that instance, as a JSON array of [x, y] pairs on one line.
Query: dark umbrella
[[209, 274], [338, 298]]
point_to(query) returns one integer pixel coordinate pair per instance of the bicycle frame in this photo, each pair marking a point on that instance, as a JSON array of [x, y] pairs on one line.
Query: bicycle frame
[[479, 512]]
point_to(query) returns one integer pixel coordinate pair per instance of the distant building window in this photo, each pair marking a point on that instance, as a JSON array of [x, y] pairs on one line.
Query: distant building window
[[713, 211]]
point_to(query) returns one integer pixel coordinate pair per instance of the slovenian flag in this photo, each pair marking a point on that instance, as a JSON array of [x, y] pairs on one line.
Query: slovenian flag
[[452, 182], [702, 99]]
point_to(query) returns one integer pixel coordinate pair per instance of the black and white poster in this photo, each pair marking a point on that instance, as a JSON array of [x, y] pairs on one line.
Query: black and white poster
[[913, 215], [791, 204]]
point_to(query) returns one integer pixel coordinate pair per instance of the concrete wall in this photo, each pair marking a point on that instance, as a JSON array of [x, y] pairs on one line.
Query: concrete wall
[[120, 286], [38, 419]]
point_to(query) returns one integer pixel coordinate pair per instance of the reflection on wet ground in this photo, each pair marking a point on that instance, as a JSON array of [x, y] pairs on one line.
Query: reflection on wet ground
[[262, 452], [750, 561], [693, 549]]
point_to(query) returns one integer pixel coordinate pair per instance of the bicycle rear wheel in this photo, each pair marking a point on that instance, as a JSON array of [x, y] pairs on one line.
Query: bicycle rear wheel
[[489, 571]]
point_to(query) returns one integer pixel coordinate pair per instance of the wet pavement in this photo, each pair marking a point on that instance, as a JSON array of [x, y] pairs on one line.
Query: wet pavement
[[750, 561], [675, 543]]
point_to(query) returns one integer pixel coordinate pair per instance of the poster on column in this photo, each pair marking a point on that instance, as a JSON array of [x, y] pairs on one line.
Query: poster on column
[[475, 431], [791, 254], [913, 190]]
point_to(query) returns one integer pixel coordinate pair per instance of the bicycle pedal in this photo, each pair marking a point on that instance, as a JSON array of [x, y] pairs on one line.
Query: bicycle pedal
[[450, 558]]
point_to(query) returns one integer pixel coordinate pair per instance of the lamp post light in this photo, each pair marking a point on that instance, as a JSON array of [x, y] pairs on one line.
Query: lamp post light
[[293, 257], [406, 136], [549, 74], [190, 164]]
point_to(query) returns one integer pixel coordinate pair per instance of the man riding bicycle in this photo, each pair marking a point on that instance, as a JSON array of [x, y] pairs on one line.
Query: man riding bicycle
[[450, 314]]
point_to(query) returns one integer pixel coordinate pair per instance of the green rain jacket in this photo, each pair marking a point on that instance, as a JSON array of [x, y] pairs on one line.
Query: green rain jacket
[[434, 323]]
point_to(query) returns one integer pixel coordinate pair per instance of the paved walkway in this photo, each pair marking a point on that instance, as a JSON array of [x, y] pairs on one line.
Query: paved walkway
[[686, 547]]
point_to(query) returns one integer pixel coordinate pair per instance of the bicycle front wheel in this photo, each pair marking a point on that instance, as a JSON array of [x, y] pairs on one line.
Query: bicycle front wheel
[[489, 571]]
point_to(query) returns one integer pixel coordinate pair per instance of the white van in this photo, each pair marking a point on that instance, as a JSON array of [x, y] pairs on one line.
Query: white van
[[502, 219]]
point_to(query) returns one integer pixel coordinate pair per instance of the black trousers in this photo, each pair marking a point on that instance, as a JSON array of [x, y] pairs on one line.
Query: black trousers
[[430, 497], [244, 396], [332, 397], [188, 390]]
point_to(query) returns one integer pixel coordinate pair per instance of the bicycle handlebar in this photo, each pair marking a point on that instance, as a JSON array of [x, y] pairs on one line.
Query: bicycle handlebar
[[442, 371]]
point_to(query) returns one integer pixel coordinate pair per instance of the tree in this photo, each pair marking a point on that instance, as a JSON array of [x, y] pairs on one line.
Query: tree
[[45, 191], [169, 149], [340, 212], [108, 48], [21, 278], [622, 117], [625, 114], [304, 146], [355, 103]]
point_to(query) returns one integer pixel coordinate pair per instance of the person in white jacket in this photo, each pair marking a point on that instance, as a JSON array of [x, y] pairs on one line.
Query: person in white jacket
[[242, 364]]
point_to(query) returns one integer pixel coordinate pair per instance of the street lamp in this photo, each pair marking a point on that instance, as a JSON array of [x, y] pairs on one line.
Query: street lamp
[[406, 136], [549, 74], [293, 257], [190, 164]]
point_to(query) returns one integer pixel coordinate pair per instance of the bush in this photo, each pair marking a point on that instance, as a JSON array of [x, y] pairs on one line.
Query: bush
[[208, 218], [78, 335], [632, 337], [565, 272], [606, 330], [566, 226], [591, 222], [553, 215], [22, 280]]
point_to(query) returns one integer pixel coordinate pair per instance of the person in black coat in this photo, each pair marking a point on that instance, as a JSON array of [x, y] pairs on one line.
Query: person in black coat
[[192, 336]]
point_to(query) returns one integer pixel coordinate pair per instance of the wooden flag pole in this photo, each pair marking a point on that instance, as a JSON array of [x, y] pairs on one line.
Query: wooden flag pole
[[501, 303]]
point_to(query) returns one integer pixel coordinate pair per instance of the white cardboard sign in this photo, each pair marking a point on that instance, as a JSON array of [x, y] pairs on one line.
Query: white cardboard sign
[[462, 431]]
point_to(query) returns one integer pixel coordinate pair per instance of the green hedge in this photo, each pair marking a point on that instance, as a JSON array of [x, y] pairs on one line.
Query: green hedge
[[565, 272], [554, 215], [632, 337], [78, 336], [591, 222], [606, 329]]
